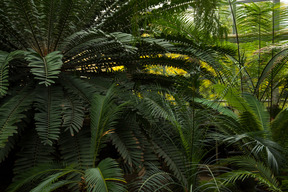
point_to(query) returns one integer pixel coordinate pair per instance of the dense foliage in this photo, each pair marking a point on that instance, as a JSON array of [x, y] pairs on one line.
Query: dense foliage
[[145, 95]]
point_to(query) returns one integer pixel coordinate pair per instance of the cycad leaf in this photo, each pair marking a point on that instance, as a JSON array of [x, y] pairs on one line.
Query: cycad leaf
[[128, 146], [46, 184], [251, 168], [174, 160], [214, 105], [5, 58], [270, 65], [232, 96], [259, 110], [45, 68], [11, 113], [79, 88], [107, 177], [279, 128], [104, 116], [48, 117], [73, 116], [74, 149], [32, 154]]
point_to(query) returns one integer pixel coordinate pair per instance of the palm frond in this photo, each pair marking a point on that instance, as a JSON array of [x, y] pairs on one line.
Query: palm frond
[[104, 115], [279, 128], [106, 177], [5, 58], [214, 105], [45, 68], [153, 180], [73, 115], [127, 145], [48, 116], [173, 159], [259, 110], [78, 87], [74, 149], [233, 97], [11, 113], [269, 66], [32, 154], [249, 167]]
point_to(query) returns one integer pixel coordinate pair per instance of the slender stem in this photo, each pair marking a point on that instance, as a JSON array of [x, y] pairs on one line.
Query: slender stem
[[259, 47], [238, 44]]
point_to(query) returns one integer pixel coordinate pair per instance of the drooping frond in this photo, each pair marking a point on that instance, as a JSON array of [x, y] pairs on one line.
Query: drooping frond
[[279, 128], [25, 180], [73, 115], [173, 159], [107, 177], [48, 116], [44, 177], [249, 167], [232, 96], [128, 145], [269, 66], [75, 149], [32, 154], [79, 88], [45, 68], [214, 105], [104, 115], [5, 58], [259, 110], [153, 180], [11, 113]]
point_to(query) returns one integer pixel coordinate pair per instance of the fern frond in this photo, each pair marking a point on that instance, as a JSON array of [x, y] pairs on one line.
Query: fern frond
[[104, 115], [32, 154], [5, 58], [214, 105], [73, 115], [153, 180], [11, 113], [106, 177], [249, 167], [78, 87], [128, 146], [279, 128], [48, 116], [45, 68], [75, 149], [259, 110], [174, 160]]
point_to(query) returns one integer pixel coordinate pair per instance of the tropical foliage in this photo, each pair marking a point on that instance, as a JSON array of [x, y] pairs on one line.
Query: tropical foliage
[[145, 95]]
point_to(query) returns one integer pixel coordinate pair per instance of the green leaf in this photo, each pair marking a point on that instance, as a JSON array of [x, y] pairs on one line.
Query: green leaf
[[214, 105], [75, 149], [107, 177], [11, 113], [104, 116], [48, 117], [259, 110], [279, 128], [45, 68], [5, 58], [270, 65], [73, 116]]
